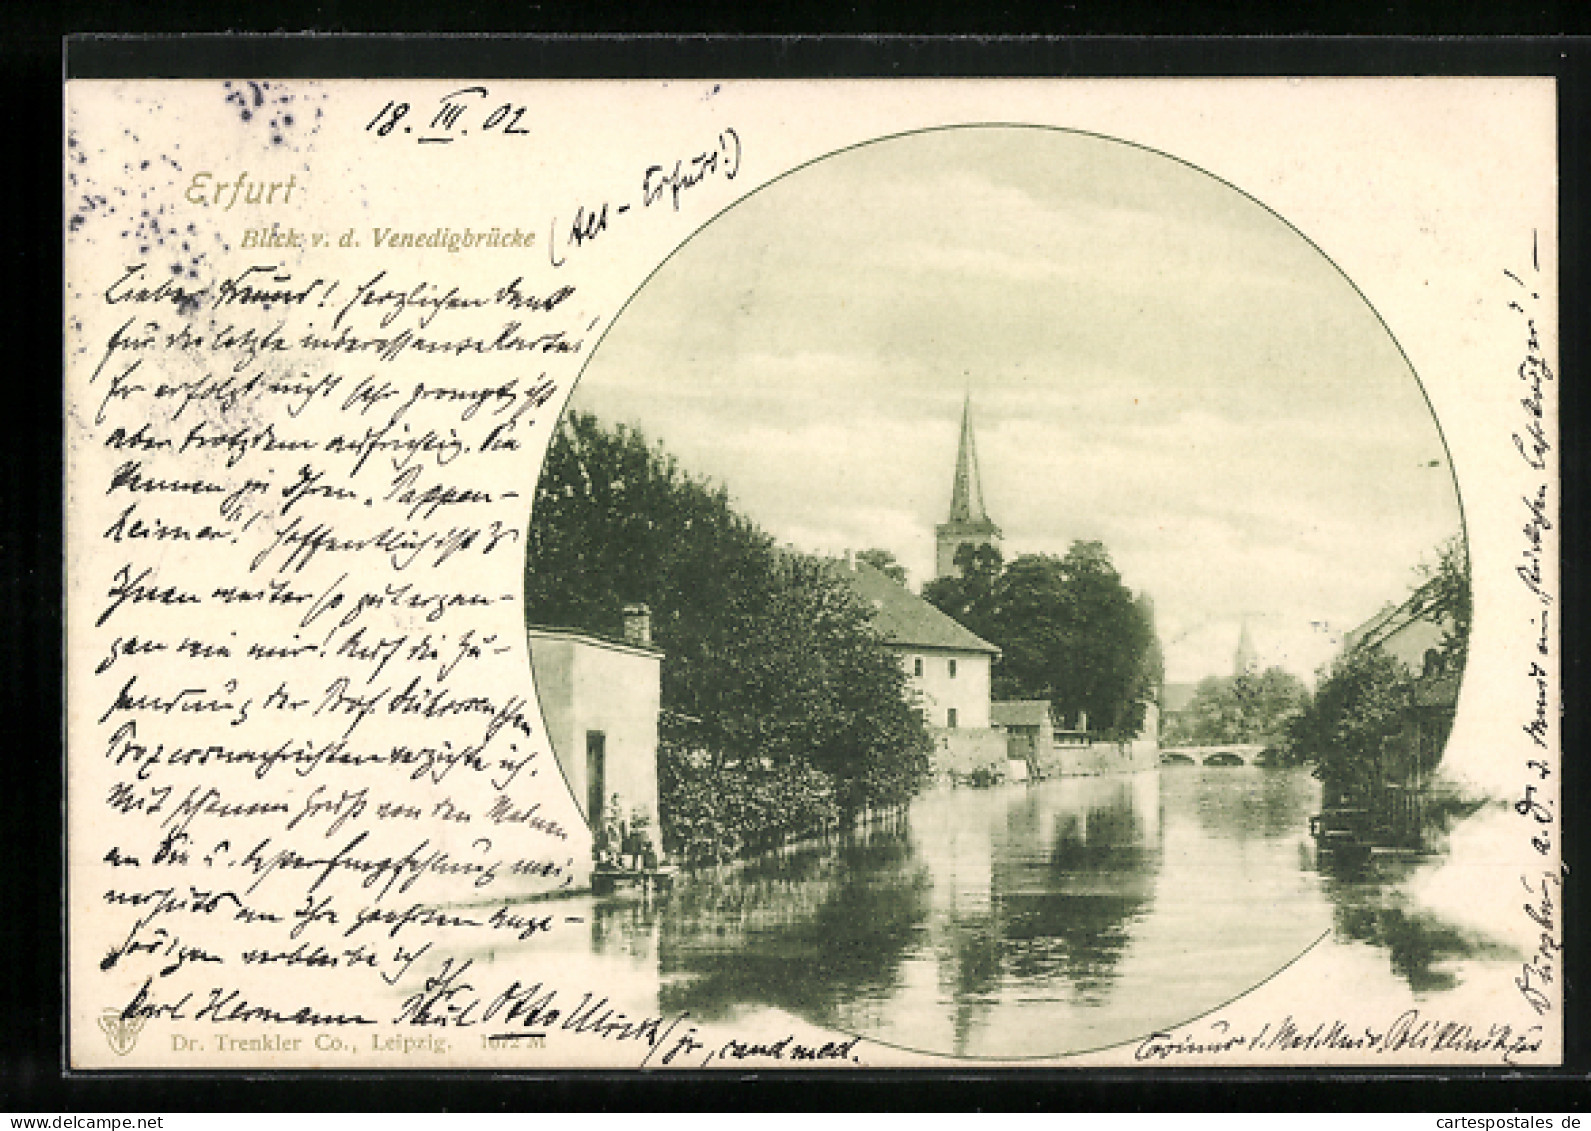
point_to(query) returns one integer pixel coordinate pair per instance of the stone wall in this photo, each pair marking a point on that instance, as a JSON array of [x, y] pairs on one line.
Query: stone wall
[[965, 749], [1066, 761]]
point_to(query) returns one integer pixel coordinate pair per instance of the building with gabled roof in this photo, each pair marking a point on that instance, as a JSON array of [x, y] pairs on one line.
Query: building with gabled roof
[[904, 618], [1411, 632], [1416, 634], [947, 666]]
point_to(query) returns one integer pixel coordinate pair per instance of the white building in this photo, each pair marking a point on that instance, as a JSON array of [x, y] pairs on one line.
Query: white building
[[600, 699], [947, 670]]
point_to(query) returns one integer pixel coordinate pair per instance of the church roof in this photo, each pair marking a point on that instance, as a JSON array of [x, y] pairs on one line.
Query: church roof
[[1244, 661], [905, 619], [966, 493]]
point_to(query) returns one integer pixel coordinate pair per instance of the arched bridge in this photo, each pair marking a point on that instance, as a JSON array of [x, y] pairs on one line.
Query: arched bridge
[[1234, 755]]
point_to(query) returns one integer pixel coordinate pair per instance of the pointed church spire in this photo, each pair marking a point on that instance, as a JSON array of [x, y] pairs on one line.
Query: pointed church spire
[[969, 521], [966, 495], [1244, 662]]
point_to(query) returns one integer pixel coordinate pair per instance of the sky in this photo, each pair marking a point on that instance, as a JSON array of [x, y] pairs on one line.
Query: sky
[[1154, 361]]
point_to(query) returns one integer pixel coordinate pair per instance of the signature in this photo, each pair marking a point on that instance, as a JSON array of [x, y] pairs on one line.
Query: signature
[[1410, 1030], [1541, 968], [450, 999]]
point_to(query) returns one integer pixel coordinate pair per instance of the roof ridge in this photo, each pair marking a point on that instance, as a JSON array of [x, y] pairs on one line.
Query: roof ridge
[[904, 618]]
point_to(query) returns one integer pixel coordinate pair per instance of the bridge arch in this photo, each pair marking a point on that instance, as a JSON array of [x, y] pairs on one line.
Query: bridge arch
[[1230, 755]]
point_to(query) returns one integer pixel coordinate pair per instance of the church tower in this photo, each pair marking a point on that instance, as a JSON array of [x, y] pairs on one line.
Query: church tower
[[1244, 661], [969, 522]]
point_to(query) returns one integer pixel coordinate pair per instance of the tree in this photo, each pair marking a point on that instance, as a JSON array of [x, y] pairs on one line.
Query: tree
[[1375, 730], [1363, 727], [770, 657], [1069, 631], [1241, 709], [616, 520], [968, 595], [1350, 727], [1103, 668], [804, 676], [886, 563], [1152, 667], [1449, 601]]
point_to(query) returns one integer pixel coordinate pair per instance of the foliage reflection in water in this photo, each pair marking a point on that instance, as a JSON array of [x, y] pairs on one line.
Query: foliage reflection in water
[[1030, 920]]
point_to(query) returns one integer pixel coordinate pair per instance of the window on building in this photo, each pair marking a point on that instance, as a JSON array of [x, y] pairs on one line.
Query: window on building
[[950, 715], [917, 665], [952, 675]]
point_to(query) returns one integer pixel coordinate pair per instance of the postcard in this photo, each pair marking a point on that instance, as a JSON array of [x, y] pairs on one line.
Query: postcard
[[812, 574]]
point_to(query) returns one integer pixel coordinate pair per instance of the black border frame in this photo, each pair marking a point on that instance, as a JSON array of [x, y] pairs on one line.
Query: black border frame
[[31, 1072]]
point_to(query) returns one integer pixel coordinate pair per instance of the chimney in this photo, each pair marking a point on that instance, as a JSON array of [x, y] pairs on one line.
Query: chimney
[[1082, 721], [850, 563], [638, 625]]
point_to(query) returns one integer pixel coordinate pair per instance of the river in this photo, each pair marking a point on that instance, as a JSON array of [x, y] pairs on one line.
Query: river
[[1023, 920]]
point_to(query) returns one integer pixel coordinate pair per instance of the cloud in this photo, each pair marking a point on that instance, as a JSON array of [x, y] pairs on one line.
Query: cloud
[[1155, 362]]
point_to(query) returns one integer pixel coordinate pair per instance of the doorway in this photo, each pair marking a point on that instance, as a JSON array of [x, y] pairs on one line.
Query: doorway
[[596, 775]]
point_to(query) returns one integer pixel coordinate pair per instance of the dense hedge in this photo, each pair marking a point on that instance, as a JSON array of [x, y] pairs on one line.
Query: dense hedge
[[710, 814]]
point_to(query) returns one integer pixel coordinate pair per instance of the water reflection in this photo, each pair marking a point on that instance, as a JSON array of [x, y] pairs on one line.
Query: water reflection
[[983, 913], [1068, 883], [1259, 803], [1028, 920], [799, 931], [1370, 905]]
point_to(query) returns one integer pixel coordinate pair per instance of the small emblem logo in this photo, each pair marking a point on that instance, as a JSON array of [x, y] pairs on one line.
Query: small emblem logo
[[121, 1032]]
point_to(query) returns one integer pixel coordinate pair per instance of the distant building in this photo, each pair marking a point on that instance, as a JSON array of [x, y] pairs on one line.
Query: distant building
[[600, 698], [1175, 699], [1244, 660], [1412, 632], [969, 522], [1173, 716], [1037, 738], [947, 669], [1028, 727]]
